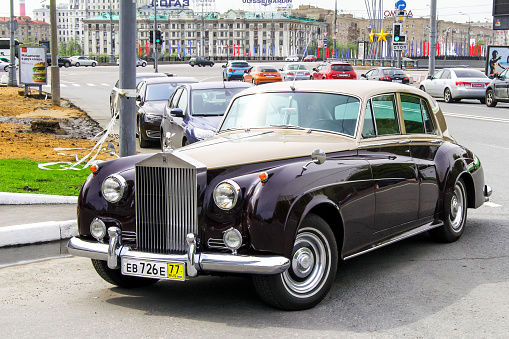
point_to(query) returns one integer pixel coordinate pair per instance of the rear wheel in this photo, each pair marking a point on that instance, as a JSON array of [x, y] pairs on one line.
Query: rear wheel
[[141, 140], [448, 96], [94, 64], [455, 209], [422, 88], [490, 98], [67, 64], [253, 81], [144, 64], [311, 273], [114, 277]]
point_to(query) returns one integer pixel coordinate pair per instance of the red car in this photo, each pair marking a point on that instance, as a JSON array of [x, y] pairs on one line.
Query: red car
[[310, 58], [335, 70]]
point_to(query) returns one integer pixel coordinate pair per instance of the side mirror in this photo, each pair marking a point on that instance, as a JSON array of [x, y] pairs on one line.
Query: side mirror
[[246, 71], [315, 69], [177, 112], [430, 77], [224, 66], [138, 98], [364, 76], [318, 157]]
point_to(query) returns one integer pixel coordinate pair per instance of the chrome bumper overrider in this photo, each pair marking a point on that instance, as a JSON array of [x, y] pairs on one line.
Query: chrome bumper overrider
[[487, 192], [206, 261]]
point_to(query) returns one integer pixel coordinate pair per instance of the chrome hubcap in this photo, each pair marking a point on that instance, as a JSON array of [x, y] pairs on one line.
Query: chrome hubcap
[[310, 264], [457, 205]]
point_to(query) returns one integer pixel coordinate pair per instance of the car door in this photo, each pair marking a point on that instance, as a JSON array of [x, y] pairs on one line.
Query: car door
[[443, 82], [248, 77], [387, 151], [167, 118], [501, 85], [177, 124], [420, 127], [431, 86]]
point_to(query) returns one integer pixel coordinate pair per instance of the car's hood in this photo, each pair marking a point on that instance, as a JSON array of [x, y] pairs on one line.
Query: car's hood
[[238, 148], [206, 122], [154, 107]]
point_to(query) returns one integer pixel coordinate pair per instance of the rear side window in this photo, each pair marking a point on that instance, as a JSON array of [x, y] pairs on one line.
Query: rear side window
[[416, 115], [368, 130], [342, 68], [385, 114]]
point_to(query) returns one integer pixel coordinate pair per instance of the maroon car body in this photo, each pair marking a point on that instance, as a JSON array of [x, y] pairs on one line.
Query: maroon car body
[[282, 192]]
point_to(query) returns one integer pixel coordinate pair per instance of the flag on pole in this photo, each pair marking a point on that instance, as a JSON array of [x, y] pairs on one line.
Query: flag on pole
[[183, 48], [147, 48], [139, 48]]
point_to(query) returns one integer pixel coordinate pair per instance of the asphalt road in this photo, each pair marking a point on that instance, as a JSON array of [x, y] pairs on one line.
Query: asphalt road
[[415, 288]]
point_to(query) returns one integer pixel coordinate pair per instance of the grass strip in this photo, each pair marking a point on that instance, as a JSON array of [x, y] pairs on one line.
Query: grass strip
[[23, 176]]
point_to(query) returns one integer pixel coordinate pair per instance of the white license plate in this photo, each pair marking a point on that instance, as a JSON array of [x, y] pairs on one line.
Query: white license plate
[[269, 76], [154, 269], [343, 75], [397, 80], [477, 85]]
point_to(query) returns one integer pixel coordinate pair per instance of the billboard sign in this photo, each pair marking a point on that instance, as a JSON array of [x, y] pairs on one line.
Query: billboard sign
[[497, 59], [32, 65], [267, 2], [170, 4]]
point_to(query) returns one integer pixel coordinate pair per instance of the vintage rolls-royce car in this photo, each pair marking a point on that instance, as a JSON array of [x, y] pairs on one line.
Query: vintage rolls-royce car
[[297, 177]]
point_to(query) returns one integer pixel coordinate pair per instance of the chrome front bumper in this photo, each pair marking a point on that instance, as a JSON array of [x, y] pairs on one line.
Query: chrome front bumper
[[195, 262]]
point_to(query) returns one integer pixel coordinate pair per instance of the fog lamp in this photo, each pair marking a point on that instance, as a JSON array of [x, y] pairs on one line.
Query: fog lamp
[[232, 239], [98, 229]]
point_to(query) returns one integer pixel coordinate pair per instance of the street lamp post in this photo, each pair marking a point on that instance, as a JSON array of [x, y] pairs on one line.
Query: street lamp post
[[468, 33], [112, 45]]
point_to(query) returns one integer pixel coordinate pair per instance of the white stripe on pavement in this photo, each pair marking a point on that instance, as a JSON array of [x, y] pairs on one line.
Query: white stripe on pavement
[[476, 117], [76, 85], [491, 204], [105, 84], [89, 84]]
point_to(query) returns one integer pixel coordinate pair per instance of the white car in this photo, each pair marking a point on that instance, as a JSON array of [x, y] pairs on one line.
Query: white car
[[4, 64], [292, 58], [139, 62], [454, 84], [82, 61]]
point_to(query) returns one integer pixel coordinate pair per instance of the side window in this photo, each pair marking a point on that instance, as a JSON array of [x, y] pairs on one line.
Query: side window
[[368, 130], [412, 116], [446, 74], [428, 121], [438, 74], [174, 99], [386, 117], [183, 101]]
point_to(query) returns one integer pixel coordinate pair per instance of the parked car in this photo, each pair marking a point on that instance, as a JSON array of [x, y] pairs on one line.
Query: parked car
[[497, 89], [62, 61], [201, 61], [391, 74], [194, 111], [295, 72], [309, 58], [260, 74], [294, 180], [234, 70], [152, 94], [334, 70], [4, 65], [454, 84], [114, 91], [139, 62], [82, 61], [294, 58]]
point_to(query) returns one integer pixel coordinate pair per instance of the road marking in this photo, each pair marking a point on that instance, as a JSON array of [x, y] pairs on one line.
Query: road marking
[[105, 84], [496, 146], [92, 85], [63, 85], [492, 204], [76, 85], [476, 117]]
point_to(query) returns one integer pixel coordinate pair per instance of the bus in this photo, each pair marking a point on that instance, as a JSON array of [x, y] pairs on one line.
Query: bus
[[5, 48]]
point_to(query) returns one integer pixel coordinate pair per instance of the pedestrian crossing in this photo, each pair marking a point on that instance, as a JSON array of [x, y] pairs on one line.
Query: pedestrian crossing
[[89, 84]]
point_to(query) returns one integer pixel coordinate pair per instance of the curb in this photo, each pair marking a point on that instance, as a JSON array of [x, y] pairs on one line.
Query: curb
[[38, 232], [34, 199]]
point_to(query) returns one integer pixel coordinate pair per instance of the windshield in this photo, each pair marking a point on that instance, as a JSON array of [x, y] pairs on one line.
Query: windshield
[[212, 101], [160, 91], [322, 111], [469, 73], [240, 64], [342, 68], [393, 72]]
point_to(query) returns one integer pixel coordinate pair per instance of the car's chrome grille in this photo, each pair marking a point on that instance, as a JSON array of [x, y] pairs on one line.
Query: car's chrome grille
[[166, 208], [216, 243]]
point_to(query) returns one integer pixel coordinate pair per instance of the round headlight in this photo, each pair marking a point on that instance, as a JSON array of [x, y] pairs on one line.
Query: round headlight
[[226, 194], [114, 187], [232, 239], [98, 229]]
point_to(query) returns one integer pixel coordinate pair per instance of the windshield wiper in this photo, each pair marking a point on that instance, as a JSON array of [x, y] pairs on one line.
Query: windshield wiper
[[287, 126]]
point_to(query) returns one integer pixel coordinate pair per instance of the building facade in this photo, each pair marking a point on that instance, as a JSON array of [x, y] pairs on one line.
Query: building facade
[[29, 31]]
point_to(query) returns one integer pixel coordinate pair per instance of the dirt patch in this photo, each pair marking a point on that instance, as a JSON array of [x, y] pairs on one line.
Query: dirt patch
[[18, 140]]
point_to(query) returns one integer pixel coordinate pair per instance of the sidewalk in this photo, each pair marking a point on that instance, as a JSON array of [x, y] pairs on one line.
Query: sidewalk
[[32, 218]]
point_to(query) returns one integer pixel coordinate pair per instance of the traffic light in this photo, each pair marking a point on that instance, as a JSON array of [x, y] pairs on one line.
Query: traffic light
[[158, 37], [397, 33], [151, 33]]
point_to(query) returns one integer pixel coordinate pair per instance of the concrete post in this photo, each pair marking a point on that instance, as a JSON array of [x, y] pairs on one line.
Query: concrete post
[[55, 71], [432, 36], [12, 66]]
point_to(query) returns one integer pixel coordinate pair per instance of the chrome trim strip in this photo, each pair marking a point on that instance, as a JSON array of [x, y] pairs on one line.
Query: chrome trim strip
[[114, 244], [214, 262], [411, 233]]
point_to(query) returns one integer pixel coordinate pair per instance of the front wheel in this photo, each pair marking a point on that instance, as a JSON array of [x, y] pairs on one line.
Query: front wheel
[[490, 98], [94, 64], [144, 64], [311, 273], [114, 277], [77, 64], [455, 209], [67, 64], [422, 88], [448, 96]]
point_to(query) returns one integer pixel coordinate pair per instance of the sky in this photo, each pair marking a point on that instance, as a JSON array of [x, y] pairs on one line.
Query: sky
[[448, 10]]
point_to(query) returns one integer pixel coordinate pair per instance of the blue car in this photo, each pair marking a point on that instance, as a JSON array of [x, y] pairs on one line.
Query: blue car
[[194, 111], [234, 70]]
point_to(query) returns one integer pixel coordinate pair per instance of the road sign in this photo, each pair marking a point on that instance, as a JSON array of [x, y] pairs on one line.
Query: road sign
[[334, 37], [14, 24], [399, 47], [325, 40], [324, 33]]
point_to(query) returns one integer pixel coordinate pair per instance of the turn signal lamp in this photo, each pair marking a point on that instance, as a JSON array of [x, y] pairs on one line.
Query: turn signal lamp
[[94, 168]]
